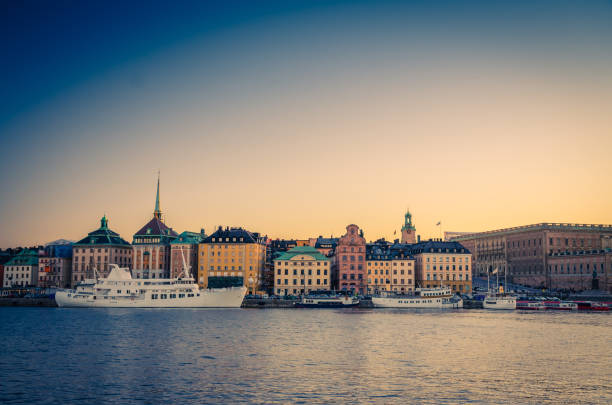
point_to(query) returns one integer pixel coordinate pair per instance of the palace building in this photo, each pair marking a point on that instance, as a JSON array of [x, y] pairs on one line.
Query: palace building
[[528, 252]]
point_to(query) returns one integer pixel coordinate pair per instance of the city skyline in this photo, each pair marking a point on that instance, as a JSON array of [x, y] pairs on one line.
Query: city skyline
[[296, 120]]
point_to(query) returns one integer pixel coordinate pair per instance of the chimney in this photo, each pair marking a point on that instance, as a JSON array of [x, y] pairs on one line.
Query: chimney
[[418, 238]]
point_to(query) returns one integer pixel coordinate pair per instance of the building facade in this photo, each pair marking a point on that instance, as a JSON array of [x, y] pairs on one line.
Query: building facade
[[350, 259], [390, 268], [96, 251], [442, 264], [579, 271], [301, 270], [22, 269], [152, 246], [525, 251], [185, 246], [408, 229], [231, 257], [55, 264]]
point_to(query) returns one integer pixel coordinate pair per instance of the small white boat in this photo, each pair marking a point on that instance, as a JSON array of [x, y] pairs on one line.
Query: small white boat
[[120, 290], [327, 300], [440, 297], [499, 301]]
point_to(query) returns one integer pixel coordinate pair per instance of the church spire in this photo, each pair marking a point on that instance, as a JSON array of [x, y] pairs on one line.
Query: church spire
[[157, 213]]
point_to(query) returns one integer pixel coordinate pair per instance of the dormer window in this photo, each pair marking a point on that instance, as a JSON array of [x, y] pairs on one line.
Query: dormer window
[[148, 231]]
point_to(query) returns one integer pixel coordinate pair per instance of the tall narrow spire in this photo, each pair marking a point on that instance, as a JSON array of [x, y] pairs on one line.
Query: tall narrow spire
[[157, 213]]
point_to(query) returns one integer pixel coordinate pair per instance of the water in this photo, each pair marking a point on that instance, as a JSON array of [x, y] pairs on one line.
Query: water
[[51, 355]]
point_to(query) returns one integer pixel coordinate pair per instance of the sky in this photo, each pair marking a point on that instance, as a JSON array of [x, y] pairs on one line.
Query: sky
[[297, 118]]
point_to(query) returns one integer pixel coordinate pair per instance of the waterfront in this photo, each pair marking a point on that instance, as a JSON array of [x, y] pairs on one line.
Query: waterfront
[[52, 355]]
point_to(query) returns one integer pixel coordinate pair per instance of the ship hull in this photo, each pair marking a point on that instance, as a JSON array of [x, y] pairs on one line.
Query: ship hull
[[210, 298], [415, 303]]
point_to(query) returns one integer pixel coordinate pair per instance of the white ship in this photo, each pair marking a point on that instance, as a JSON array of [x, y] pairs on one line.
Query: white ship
[[440, 297], [120, 290]]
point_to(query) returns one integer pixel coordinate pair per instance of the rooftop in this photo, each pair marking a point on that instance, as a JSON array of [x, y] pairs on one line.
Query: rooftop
[[302, 250], [103, 236], [552, 226], [232, 235]]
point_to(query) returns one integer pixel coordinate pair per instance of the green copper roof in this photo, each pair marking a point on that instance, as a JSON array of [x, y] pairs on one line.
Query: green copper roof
[[102, 236], [188, 238], [302, 250], [26, 257]]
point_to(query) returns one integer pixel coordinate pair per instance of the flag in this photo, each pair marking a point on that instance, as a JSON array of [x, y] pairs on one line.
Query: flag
[[394, 232], [439, 222]]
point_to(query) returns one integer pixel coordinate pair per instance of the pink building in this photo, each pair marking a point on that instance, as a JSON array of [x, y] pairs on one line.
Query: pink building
[[350, 259]]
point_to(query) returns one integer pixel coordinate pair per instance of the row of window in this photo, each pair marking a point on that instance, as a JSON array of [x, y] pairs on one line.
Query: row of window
[[460, 277], [301, 263], [388, 281], [295, 281], [447, 259], [409, 264], [170, 296], [561, 269], [278, 272], [387, 271], [127, 250], [353, 258], [467, 267], [352, 276], [239, 268]]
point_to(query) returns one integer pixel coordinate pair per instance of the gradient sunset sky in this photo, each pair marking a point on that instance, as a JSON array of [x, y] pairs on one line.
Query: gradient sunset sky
[[294, 119]]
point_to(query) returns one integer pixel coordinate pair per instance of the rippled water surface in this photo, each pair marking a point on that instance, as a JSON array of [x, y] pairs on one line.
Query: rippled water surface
[[51, 355]]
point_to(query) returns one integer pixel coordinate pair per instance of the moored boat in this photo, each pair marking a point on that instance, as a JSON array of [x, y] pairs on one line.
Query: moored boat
[[440, 297], [327, 300], [530, 305], [120, 290], [560, 305]]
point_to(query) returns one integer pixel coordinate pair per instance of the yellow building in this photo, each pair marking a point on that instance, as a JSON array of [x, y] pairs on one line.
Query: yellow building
[[389, 269], [232, 257], [443, 263], [301, 270]]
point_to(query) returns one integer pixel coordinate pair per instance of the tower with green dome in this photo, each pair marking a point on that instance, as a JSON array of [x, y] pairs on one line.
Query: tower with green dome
[[408, 229]]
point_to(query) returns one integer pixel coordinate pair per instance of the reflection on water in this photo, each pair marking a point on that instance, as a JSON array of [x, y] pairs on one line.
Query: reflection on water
[[310, 356]]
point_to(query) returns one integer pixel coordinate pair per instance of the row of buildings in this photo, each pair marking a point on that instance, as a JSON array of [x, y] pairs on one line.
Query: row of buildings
[[557, 256]]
